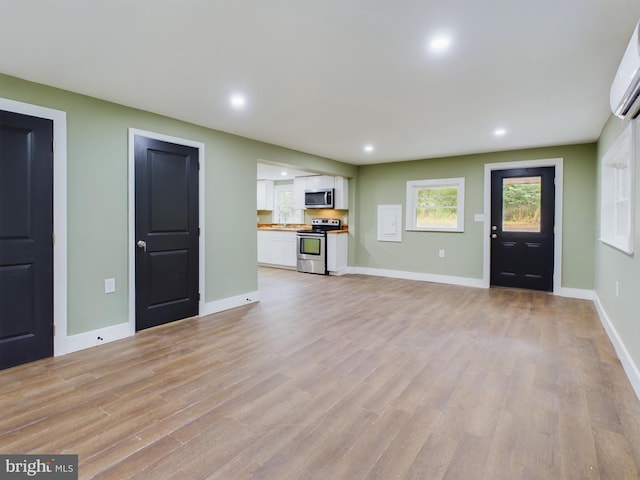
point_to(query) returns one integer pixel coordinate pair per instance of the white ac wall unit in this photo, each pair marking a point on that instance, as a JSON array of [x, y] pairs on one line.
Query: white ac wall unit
[[625, 89]]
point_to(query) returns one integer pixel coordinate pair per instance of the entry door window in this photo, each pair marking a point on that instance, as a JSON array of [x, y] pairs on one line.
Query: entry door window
[[521, 200]]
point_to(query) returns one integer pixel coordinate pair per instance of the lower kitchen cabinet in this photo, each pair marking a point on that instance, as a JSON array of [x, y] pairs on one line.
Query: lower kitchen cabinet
[[290, 253], [277, 248], [337, 252]]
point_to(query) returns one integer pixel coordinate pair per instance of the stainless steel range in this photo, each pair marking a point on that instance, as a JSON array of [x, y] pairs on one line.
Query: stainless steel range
[[312, 245]]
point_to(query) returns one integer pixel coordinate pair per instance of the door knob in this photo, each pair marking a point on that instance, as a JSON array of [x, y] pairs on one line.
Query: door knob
[[142, 244], [493, 235]]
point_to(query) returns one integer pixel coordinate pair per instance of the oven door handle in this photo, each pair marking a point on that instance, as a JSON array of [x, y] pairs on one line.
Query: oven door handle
[[311, 235]]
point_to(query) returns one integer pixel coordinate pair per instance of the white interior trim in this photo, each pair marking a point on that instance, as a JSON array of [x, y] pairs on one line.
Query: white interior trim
[[557, 244], [629, 366], [96, 337], [59, 213], [132, 229], [423, 277], [230, 302]]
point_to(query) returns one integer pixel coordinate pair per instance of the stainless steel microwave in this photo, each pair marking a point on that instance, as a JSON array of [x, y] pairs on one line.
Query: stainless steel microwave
[[321, 198]]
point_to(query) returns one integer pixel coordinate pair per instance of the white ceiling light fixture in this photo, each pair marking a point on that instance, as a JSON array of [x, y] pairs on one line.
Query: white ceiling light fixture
[[368, 148], [238, 101], [440, 43], [499, 132]]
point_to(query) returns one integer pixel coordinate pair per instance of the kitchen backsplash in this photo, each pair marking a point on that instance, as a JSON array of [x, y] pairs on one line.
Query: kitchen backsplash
[[266, 216]]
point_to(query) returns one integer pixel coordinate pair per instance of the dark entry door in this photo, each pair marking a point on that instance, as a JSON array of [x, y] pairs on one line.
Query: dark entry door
[[166, 224], [522, 228], [26, 246]]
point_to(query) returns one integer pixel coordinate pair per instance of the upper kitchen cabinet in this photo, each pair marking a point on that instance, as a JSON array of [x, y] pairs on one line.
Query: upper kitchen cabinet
[[299, 186], [264, 195], [341, 200], [340, 184], [320, 181]]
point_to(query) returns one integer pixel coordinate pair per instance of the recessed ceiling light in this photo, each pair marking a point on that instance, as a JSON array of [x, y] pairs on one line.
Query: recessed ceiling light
[[499, 132], [440, 43], [238, 101], [368, 148], [283, 173]]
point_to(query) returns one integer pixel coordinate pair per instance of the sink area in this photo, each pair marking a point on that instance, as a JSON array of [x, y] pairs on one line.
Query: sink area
[[282, 227]]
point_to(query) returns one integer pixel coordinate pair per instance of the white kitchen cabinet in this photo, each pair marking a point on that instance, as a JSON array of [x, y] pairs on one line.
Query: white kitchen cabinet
[[337, 252], [264, 195], [299, 186], [341, 200], [277, 248], [320, 181], [265, 246], [290, 249]]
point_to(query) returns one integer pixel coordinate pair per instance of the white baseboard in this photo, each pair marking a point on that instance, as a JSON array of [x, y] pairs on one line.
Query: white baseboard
[[342, 271], [576, 293], [424, 277], [93, 338], [112, 333], [630, 368], [461, 281], [229, 303]]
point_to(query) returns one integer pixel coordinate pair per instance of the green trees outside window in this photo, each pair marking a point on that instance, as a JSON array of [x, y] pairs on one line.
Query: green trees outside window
[[437, 207], [521, 204]]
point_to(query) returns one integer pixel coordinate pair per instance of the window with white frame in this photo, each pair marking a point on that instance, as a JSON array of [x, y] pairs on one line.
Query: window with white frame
[[283, 209], [617, 192], [435, 205]]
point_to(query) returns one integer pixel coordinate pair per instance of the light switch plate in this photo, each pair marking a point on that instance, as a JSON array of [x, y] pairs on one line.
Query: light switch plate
[[109, 285]]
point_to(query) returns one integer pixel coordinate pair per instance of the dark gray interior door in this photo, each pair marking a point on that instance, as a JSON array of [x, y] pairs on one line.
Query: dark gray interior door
[[26, 247], [167, 230], [522, 228]]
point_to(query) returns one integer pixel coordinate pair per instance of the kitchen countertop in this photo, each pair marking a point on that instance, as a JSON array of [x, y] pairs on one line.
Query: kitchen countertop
[[274, 227]]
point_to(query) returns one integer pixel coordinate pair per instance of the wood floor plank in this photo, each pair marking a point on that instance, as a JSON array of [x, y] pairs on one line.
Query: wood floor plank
[[341, 378]]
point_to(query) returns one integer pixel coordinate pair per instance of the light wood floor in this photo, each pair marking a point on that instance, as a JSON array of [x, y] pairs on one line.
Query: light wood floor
[[338, 378]]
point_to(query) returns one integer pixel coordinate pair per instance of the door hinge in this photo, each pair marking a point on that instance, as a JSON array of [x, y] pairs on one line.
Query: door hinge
[[198, 231], [54, 329], [198, 296], [53, 238], [53, 146]]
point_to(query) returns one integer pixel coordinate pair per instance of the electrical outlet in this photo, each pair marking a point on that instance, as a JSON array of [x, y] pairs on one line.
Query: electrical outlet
[[109, 285], [441, 253]]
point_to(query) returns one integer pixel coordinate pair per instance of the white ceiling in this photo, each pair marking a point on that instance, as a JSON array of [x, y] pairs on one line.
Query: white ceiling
[[327, 77], [267, 171]]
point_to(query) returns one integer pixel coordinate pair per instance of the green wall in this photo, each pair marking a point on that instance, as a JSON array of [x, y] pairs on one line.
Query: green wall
[[612, 265], [97, 205], [418, 252]]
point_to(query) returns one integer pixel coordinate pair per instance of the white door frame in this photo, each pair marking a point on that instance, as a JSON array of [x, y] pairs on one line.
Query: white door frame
[[557, 243], [132, 216], [59, 213]]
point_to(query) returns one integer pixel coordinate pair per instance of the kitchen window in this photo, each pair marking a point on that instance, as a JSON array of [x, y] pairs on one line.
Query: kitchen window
[[283, 210], [617, 192], [435, 205]]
